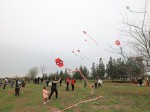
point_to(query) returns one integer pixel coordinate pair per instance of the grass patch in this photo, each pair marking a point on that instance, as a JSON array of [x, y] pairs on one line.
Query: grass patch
[[116, 98]]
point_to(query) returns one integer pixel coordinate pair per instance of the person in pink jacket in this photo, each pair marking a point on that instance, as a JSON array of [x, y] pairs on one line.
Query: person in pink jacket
[[45, 95]]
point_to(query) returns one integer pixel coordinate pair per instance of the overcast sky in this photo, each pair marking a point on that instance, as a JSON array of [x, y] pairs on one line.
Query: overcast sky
[[36, 32]]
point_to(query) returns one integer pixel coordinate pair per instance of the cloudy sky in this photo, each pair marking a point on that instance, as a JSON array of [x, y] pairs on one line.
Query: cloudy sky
[[36, 32]]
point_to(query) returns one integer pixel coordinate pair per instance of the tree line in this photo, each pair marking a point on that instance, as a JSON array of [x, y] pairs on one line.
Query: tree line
[[114, 69]]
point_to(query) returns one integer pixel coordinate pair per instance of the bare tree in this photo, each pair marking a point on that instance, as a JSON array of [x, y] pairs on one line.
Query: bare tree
[[139, 32], [33, 72], [43, 69]]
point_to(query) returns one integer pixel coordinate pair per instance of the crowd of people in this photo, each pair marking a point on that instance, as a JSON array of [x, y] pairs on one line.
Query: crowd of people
[[20, 84], [14, 83]]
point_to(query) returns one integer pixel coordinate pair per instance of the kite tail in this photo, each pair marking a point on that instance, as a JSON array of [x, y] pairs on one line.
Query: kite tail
[[89, 42], [84, 55], [85, 80], [93, 39], [79, 56]]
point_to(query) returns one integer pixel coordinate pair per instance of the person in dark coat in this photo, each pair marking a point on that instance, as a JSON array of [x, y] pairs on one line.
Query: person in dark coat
[[60, 82], [38, 80], [140, 81], [54, 88], [17, 88]]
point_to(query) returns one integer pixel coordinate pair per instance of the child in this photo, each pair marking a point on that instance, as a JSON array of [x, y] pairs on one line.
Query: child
[[45, 95]]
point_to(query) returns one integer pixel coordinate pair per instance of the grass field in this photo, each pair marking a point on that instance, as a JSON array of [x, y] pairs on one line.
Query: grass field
[[117, 97]]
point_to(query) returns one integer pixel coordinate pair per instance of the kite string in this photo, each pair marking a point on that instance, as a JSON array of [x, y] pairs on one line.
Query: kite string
[[85, 101]]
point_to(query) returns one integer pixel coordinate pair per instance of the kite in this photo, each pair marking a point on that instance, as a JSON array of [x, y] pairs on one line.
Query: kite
[[77, 55], [59, 62], [84, 32], [88, 42], [117, 42], [90, 37], [74, 53], [82, 54], [128, 8]]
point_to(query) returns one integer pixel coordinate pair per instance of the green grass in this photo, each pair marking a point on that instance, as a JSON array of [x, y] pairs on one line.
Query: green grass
[[116, 98]]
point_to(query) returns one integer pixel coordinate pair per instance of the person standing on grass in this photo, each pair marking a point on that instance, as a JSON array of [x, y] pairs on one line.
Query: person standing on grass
[[54, 88], [99, 82], [147, 81], [85, 81], [0, 83], [140, 81], [67, 82], [45, 95], [5, 83], [12, 83], [47, 82], [17, 88], [38, 80], [23, 85], [72, 83], [60, 82], [95, 84]]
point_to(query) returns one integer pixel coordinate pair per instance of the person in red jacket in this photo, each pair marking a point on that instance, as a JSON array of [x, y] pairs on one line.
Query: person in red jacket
[[67, 82], [147, 81], [72, 83]]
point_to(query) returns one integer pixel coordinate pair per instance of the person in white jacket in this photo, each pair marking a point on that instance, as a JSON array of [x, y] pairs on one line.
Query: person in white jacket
[[100, 82]]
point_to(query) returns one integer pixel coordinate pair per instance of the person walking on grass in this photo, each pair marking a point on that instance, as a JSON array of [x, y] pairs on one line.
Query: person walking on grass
[[45, 95], [54, 88]]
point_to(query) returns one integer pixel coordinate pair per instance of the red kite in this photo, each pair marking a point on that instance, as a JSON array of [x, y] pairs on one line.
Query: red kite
[[117, 42], [59, 62]]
